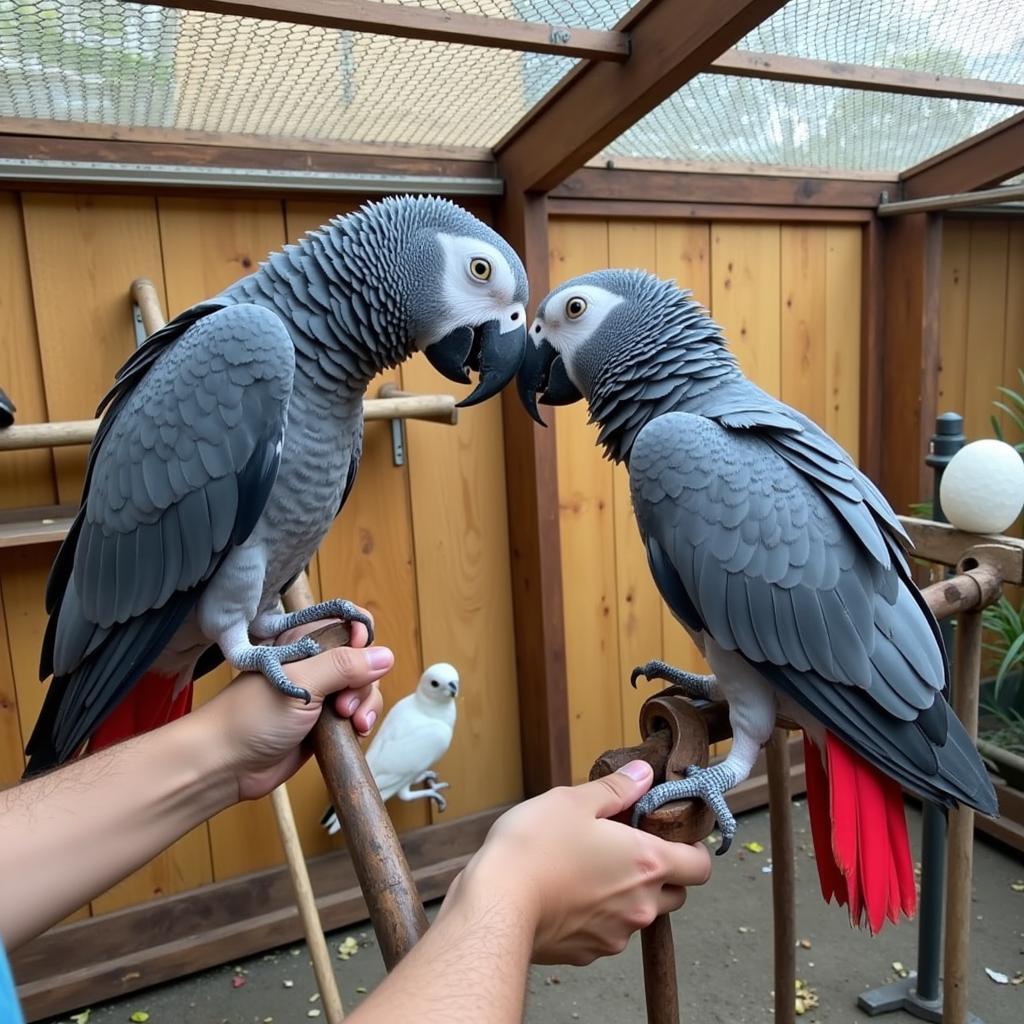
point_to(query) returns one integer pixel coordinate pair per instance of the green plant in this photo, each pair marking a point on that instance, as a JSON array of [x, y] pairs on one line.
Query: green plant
[[1013, 407], [1009, 733], [1006, 628]]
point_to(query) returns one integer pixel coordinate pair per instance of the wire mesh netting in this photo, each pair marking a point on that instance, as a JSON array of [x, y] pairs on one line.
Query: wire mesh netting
[[730, 119], [720, 118], [136, 65], [139, 65]]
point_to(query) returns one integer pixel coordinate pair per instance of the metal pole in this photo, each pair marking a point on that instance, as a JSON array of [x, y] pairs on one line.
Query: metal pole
[[920, 994]]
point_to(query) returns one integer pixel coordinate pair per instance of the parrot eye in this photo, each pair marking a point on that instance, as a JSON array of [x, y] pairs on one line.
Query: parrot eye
[[575, 307], [480, 269], [433, 682]]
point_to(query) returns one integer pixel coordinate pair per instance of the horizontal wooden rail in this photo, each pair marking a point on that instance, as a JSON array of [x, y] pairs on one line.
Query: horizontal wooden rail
[[435, 408], [946, 545]]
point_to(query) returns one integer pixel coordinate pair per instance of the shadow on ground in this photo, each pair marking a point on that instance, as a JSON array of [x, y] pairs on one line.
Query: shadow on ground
[[723, 947]]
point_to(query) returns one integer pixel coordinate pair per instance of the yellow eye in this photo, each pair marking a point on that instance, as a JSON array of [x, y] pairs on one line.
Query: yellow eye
[[575, 307], [480, 268]]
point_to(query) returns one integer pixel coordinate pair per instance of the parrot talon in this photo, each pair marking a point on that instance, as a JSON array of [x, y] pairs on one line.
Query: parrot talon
[[692, 684], [707, 784], [337, 608], [305, 647], [268, 660]]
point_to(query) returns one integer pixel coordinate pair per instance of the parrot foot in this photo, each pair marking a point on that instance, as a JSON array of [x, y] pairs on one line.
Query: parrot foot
[[275, 624], [708, 784], [700, 687], [428, 776], [268, 661]]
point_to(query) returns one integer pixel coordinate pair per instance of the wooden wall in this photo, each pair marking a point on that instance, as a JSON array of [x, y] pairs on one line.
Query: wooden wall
[[981, 325], [424, 546], [788, 297]]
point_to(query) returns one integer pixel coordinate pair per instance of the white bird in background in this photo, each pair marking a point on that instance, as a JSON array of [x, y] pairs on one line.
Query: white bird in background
[[414, 735]]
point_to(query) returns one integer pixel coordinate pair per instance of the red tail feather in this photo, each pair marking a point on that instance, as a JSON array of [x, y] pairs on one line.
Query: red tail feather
[[860, 835], [149, 704]]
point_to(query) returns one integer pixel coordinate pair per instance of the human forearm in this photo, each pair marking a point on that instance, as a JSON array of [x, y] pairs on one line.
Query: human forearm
[[470, 966], [70, 835]]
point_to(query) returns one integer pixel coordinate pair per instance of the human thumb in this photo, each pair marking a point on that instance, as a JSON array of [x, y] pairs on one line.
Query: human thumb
[[613, 793]]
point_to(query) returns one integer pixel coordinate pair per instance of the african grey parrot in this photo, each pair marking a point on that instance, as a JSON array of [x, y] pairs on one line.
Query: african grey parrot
[[415, 734], [230, 442], [784, 564]]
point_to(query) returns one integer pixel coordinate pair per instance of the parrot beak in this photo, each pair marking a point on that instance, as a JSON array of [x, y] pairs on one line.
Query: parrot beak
[[500, 356], [543, 373], [453, 689], [496, 354]]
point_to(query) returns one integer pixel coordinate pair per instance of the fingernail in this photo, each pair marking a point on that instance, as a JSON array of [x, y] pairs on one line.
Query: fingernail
[[371, 720], [638, 771], [379, 658], [351, 706]]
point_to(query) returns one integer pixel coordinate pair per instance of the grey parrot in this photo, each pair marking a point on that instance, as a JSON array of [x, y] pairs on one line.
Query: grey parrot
[[230, 442], [783, 562]]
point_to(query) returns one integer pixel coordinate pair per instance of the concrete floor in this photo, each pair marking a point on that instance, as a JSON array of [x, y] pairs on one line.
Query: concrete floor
[[723, 946]]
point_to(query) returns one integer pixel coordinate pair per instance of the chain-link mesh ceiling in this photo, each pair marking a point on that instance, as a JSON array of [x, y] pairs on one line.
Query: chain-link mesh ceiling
[[135, 65], [145, 66], [727, 119]]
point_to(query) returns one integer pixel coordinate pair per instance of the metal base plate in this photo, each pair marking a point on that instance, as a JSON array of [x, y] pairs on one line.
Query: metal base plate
[[901, 995]]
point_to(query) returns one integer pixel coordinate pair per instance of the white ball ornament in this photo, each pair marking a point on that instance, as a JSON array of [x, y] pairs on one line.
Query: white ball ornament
[[982, 489]]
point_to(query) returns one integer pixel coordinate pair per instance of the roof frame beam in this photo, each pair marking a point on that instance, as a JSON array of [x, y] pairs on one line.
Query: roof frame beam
[[672, 41], [424, 23], [783, 68], [980, 161]]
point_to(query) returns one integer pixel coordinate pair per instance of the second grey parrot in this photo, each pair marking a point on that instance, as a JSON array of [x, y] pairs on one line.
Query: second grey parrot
[[784, 564], [230, 441]]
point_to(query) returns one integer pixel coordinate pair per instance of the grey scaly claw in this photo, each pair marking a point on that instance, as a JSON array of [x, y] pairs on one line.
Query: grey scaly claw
[[337, 608], [268, 660], [692, 685], [304, 647], [707, 784]]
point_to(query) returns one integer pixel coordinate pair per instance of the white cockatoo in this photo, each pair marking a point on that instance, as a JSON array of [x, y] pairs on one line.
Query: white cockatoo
[[414, 735]]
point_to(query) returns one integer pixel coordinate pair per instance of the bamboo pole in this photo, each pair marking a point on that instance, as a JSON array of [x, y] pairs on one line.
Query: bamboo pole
[[956, 961], [783, 882]]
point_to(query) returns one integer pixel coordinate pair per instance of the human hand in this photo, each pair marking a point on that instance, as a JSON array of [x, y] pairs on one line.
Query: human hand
[[262, 734], [585, 883]]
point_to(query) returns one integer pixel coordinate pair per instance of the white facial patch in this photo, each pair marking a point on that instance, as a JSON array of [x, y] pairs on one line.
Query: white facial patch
[[438, 680], [478, 285], [571, 317]]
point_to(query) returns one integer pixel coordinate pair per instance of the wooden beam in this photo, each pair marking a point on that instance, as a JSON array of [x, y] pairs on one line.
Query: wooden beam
[[981, 161], [743, 167], [423, 23], [872, 294], [102, 957], [958, 201], [744, 189], [604, 208], [531, 480], [672, 41], [781, 68], [910, 346]]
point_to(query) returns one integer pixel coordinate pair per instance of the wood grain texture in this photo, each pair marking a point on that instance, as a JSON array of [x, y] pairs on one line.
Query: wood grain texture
[[587, 525], [1013, 352], [953, 328], [843, 334], [632, 244], [986, 325], [803, 355], [464, 586], [745, 297], [12, 760], [84, 252], [26, 478]]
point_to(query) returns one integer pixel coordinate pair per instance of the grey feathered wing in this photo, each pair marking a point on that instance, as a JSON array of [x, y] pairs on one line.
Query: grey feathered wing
[[781, 550], [178, 475]]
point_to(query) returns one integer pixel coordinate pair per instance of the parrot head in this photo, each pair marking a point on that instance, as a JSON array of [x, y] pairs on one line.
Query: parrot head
[[468, 295], [600, 325], [440, 682]]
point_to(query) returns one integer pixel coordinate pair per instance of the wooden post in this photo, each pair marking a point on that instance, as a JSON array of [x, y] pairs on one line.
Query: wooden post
[[783, 881], [910, 345], [661, 988], [966, 685], [531, 480]]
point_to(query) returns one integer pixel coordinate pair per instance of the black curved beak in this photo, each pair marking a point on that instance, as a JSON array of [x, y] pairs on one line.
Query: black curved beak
[[496, 355], [543, 373], [453, 689]]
